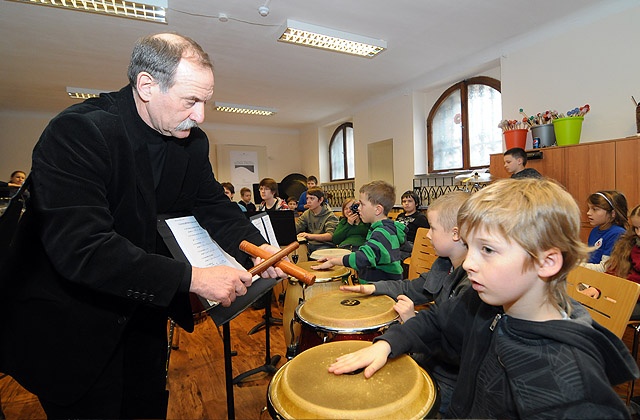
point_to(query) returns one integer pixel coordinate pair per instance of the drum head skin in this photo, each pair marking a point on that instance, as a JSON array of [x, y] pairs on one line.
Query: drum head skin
[[304, 389], [329, 253], [345, 312], [334, 273]]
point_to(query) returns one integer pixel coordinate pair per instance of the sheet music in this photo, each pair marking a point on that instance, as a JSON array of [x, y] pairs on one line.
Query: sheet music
[[263, 223], [199, 248]]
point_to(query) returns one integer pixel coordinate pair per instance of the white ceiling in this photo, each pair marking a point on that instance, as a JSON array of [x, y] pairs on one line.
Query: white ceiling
[[44, 50]]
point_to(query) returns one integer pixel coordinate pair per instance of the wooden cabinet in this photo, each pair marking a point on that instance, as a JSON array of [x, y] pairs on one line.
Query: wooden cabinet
[[586, 168], [627, 170]]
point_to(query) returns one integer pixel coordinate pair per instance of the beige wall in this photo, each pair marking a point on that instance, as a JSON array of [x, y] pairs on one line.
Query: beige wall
[[283, 147], [595, 64]]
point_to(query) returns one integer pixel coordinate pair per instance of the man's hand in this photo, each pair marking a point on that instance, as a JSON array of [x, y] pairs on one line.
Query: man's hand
[[220, 283], [272, 272]]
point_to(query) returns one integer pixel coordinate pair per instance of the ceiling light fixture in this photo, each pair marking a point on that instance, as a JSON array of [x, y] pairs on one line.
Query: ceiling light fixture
[[244, 109], [308, 35], [150, 10], [82, 93]]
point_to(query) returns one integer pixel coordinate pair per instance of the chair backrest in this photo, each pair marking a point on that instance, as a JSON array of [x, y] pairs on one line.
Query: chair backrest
[[423, 254], [618, 296]]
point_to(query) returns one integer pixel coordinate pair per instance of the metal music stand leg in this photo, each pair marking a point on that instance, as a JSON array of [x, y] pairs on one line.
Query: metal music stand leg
[[270, 363]]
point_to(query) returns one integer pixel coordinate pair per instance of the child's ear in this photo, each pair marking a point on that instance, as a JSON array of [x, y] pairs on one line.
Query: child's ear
[[455, 233], [550, 263]]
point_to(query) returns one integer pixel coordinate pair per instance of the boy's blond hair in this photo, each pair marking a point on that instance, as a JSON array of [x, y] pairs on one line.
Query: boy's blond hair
[[380, 192], [536, 214], [447, 206]]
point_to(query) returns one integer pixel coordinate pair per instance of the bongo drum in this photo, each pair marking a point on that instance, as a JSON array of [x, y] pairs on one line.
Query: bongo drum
[[329, 253], [303, 388], [339, 316], [295, 293]]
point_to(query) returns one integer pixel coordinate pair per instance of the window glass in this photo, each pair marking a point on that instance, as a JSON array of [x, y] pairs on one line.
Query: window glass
[[462, 127], [447, 134], [341, 153], [485, 112]]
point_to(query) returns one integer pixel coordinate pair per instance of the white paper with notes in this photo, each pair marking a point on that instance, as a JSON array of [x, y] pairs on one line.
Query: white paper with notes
[[199, 248]]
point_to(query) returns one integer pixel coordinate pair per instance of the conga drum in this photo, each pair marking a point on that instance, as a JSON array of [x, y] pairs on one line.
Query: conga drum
[[302, 253], [326, 280], [303, 388], [338, 316], [328, 253]]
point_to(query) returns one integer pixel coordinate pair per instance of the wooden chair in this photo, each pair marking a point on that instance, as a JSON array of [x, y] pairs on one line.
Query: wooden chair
[[618, 296], [422, 256], [613, 308]]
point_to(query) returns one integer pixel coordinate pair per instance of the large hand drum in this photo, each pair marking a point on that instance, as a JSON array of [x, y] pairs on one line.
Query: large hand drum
[[304, 389], [338, 316], [326, 280], [329, 253]]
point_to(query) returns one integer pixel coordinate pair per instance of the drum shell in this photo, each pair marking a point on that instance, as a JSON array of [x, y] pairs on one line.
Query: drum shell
[[303, 388], [317, 327], [296, 293]]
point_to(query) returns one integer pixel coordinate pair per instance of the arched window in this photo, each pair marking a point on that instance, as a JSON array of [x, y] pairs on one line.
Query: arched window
[[341, 153], [462, 127]]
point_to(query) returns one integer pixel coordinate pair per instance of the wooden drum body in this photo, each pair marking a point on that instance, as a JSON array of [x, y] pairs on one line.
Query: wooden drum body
[[338, 316], [326, 280], [304, 389]]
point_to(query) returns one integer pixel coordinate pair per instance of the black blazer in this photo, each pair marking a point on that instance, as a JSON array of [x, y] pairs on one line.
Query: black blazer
[[87, 253]]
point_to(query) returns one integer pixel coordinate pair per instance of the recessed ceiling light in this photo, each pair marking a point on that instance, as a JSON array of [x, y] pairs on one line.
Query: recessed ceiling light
[[244, 109], [82, 93], [150, 10], [308, 35]]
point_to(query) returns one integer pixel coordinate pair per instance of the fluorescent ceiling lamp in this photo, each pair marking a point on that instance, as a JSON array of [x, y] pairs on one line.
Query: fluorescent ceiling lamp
[[244, 109], [308, 35], [150, 10], [81, 93]]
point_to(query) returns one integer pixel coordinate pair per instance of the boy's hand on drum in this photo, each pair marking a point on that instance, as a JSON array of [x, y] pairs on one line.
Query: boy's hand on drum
[[325, 264], [365, 289], [405, 308], [371, 358]]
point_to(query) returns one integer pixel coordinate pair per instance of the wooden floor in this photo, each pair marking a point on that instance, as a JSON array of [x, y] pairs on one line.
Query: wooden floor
[[196, 373]]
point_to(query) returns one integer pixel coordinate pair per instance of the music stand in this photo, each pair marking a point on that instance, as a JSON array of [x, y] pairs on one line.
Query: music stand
[[280, 229], [223, 316]]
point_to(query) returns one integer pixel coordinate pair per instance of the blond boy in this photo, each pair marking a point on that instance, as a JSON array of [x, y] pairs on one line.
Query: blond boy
[[526, 350]]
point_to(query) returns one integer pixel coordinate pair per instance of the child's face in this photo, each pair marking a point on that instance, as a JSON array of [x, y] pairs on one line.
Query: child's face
[[408, 205], [246, 197], [598, 216], [313, 202], [228, 193], [18, 178], [495, 266], [635, 223], [441, 238], [511, 164], [266, 193], [368, 211]]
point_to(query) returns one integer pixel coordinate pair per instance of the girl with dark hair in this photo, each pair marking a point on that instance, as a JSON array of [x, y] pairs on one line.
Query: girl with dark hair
[[413, 219], [608, 215]]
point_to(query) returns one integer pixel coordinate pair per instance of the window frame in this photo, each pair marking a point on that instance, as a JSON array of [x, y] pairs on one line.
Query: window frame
[[464, 119], [341, 129]]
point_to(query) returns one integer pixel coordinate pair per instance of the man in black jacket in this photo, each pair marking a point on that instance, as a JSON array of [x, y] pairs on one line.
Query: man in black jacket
[[85, 300]]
